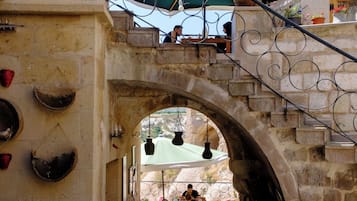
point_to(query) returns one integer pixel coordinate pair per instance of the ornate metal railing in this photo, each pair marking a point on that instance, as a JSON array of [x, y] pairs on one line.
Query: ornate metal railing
[[194, 21], [287, 72], [290, 68]]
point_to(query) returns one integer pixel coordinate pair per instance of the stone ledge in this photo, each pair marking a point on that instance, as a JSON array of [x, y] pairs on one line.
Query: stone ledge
[[341, 152], [312, 136], [168, 53]]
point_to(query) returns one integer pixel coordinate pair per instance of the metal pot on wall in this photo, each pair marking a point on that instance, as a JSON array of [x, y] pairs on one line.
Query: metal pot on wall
[[5, 159]]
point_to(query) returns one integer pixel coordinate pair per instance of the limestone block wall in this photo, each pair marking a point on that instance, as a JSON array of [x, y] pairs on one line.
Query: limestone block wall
[[315, 77], [309, 73], [54, 52]]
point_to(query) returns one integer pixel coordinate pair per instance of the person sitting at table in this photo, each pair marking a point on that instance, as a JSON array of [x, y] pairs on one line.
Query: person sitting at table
[[227, 29], [190, 194], [171, 37]]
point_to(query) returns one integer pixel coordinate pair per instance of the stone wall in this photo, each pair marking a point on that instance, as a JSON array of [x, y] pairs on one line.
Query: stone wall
[[314, 77], [53, 52]]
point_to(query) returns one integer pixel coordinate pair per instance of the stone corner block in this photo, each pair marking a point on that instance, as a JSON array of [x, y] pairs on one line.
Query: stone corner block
[[122, 21], [144, 37]]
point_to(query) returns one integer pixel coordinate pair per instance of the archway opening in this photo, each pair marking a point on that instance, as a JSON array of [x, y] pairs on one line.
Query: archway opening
[[170, 176], [253, 175]]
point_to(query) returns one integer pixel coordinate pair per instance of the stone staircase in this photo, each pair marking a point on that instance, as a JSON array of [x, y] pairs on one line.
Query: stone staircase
[[278, 114]]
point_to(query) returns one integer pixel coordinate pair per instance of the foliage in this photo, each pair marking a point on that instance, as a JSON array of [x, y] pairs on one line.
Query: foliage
[[293, 11]]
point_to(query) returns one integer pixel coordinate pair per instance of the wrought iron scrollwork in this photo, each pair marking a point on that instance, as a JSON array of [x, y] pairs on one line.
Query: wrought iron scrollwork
[[287, 69]]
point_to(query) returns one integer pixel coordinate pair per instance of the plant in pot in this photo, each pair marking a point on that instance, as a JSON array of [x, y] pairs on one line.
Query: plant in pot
[[318, 19], [293, 13]]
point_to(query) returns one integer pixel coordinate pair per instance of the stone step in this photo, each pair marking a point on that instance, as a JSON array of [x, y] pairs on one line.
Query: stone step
[[220, 71], [335, 137], [341, 152], [122, 21], [312, 135], [242, 88], [262, 103], [143, 37], [321, 122]]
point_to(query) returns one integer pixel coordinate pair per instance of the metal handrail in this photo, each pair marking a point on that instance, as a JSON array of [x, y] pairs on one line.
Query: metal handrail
[[296, 26]]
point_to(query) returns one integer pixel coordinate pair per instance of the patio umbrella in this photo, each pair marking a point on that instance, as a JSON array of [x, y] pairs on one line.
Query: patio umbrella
[[169, 156], [175, 5]]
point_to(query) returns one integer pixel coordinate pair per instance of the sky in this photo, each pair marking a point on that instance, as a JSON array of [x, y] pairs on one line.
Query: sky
[[191, 20]]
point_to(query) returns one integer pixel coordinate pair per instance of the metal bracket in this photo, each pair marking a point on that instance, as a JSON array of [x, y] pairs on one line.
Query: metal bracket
[[5, 26]]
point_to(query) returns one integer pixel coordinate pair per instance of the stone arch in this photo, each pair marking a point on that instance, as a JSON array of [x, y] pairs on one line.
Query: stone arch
[[232, 116]]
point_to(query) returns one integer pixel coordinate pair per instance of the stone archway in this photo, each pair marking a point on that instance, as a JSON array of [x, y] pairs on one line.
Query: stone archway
[[260, 170]]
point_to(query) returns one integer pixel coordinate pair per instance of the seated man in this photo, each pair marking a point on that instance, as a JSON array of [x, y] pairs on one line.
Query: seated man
[[190, 194], [171, 37]]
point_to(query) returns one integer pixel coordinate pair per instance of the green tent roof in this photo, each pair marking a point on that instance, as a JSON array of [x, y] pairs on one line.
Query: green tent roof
[[169, 156]]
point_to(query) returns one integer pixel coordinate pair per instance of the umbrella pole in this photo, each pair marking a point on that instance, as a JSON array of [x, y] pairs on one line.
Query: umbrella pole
[[204, 20], [163, 185]]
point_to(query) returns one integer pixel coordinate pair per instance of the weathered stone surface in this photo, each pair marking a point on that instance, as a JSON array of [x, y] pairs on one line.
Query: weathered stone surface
[[143, 37], [293, 83], [320, 120], [299, 99], [328, 62], [309, 193], [242, 88], [311, 175], [351, 196], [296, 155], [176, 54], [285, 134], [220, 72], [289, 120], [122, 21], [312, 136], [262, 103], [346, 180], [321, 104], [223, 84], [340, 152], [317, 154], [331, 194]]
